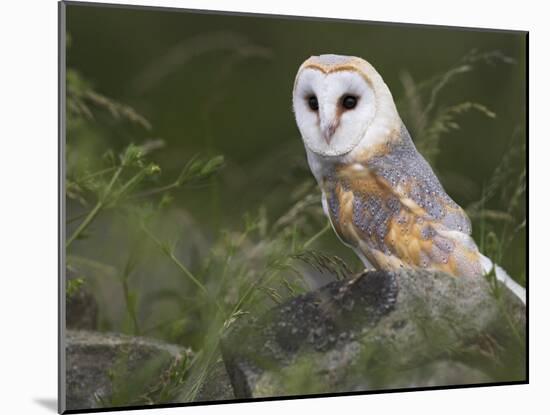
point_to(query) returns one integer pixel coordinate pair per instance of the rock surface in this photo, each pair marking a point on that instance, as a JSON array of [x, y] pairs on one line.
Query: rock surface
[[217, 386], [380, 330], [92, 358]]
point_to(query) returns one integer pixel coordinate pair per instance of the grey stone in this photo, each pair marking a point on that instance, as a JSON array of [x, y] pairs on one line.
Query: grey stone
[[380, 330], [441, 373], [99, 362], [217, 386]]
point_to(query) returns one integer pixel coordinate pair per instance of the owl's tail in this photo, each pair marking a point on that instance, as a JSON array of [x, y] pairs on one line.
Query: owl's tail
[[503, 277]]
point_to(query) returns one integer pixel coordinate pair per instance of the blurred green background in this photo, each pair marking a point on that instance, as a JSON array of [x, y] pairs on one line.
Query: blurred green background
[[221, 85]]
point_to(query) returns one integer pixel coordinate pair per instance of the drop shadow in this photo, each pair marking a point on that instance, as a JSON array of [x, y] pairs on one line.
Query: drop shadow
[[48, 403]]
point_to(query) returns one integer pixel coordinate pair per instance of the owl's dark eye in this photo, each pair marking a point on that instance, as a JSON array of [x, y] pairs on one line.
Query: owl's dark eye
[[349, 102], [313, 103]]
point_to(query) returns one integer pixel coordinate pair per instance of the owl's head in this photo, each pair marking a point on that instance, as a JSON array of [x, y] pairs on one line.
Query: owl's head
[[337, 100]]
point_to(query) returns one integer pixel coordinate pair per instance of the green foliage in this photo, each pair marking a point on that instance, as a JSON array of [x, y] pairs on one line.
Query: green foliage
[[82, 100], [183, 280], [146, 382], [73, 286], [326, 263], [427, 120], [500, 228], [243, 271]]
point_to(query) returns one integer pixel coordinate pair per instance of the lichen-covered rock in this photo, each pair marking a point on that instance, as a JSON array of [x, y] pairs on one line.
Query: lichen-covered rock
[[108, 369], [217, 385], [380, 330]]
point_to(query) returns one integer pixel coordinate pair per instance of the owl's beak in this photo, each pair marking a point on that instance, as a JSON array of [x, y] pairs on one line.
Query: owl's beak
[[328, 131]]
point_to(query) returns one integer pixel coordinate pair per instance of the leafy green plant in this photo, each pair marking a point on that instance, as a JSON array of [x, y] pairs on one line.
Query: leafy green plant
[[243, 269], [427, 120], [500, 211], [74, 285], [183, 282], [150, 381]]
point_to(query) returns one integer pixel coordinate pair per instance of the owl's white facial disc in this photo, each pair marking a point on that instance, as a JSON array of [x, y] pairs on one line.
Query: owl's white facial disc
[[333, 111]]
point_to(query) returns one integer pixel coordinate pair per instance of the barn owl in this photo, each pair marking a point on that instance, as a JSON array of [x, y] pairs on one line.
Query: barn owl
[[381, 196]]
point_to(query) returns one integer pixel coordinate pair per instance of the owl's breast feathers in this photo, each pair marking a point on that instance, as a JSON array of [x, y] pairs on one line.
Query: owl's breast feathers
[[391, 207]]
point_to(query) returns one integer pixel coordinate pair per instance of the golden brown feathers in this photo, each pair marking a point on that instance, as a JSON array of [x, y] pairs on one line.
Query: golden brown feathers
[[391, 223]]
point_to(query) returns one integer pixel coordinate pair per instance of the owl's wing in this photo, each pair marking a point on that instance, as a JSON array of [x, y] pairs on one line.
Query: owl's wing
[[395, 212]]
